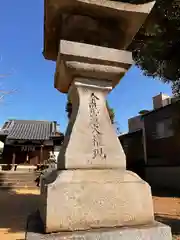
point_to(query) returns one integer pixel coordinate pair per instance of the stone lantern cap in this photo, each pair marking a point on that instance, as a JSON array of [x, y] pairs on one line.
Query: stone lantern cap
[[97, 22], [89, 61]]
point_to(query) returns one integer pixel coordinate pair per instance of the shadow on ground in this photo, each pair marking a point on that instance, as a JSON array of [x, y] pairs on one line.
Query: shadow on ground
[[15, 207], [165, 192], [172, 222]]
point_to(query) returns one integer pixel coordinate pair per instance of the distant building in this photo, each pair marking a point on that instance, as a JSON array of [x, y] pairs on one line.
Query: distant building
[[161, 100], [29, 142], [132, 144], [135, 123], [162, 134], [153, 139]]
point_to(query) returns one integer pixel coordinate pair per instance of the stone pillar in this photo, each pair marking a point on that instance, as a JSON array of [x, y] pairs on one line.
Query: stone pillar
[[91, 189], [41, 154], [90, 141], [13, 159], [14, 165]]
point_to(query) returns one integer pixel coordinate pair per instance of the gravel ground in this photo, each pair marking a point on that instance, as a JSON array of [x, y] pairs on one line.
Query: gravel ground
[[167, 210], [14, 209]]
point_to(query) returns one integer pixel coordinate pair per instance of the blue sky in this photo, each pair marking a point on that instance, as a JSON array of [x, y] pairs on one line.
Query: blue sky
[[21, 45]]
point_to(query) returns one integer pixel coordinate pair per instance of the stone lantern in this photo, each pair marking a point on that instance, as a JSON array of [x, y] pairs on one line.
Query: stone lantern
[[91, 188]]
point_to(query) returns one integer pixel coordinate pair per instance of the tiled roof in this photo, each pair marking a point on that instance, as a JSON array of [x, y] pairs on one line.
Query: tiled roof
[[29, 129]]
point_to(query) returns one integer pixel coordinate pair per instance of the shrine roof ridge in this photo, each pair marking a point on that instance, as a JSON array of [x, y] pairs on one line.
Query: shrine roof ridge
[[29, 129]]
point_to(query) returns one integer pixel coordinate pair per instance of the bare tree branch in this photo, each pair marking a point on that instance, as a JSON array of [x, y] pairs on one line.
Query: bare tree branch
[[4, 75], [6, 92], [3, 93], [7, 74]]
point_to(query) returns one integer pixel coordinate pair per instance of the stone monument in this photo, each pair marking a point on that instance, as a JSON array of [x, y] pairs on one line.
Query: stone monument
[[92, 195]]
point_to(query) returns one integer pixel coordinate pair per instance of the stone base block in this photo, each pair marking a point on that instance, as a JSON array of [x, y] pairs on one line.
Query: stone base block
[[87, 199], [155, 231]]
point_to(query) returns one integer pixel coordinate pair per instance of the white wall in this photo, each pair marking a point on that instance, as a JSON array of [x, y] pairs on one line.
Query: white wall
[[56, 151], [135, 123], [1, 145]]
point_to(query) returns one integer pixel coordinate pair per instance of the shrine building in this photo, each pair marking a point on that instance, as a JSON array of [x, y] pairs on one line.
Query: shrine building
[[28, 142]]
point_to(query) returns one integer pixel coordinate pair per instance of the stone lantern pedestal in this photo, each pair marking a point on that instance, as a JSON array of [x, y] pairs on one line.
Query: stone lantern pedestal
[[92, 195]]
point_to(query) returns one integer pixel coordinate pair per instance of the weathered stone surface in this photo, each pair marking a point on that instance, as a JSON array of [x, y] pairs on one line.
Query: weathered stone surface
[[91, 188], [128, 18], [155, 231], [90, 141], [85, 29], [85, 199], [89, 61], [72, 51]]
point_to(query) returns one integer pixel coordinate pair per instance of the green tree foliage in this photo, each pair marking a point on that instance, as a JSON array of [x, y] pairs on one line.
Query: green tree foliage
[[110, 110], [176, 88], [156, 48], [142, 112]]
